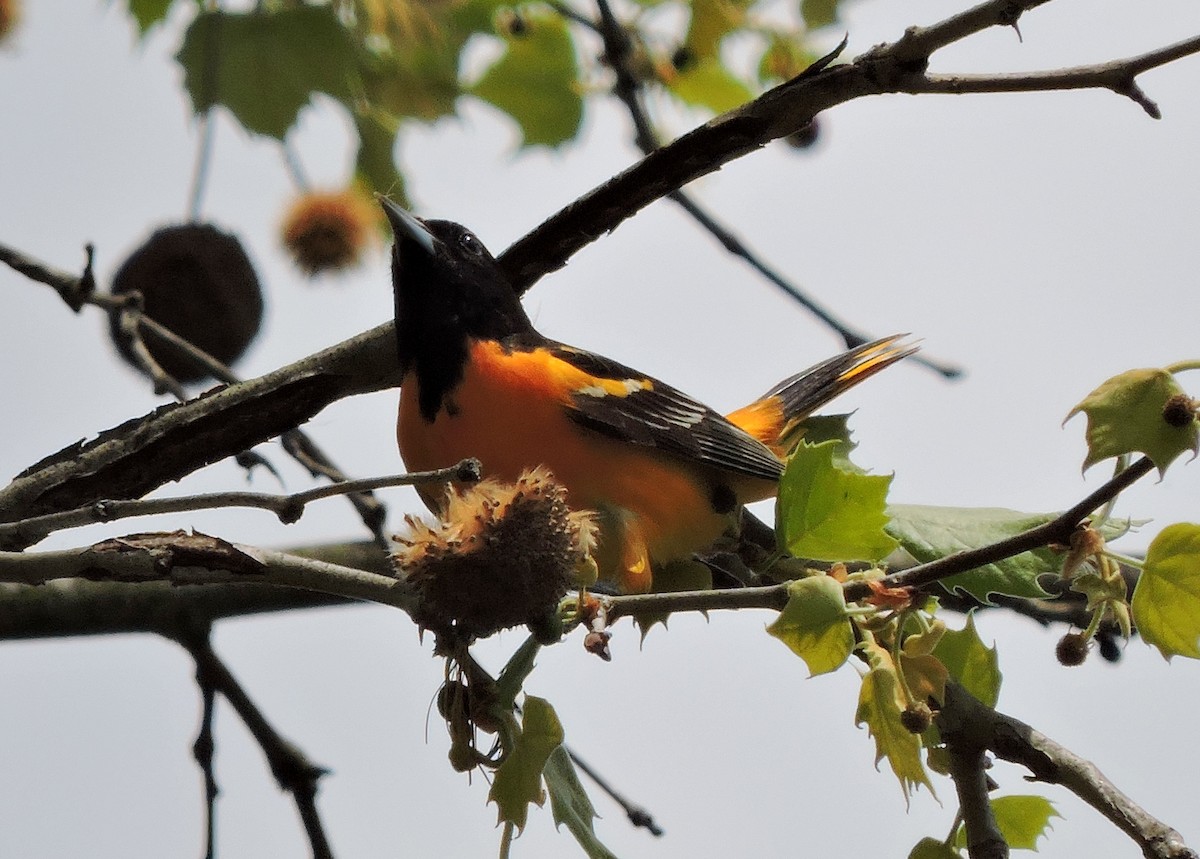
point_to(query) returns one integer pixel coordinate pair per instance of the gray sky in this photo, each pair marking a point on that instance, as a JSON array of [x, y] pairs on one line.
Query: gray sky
[[1044, 242]]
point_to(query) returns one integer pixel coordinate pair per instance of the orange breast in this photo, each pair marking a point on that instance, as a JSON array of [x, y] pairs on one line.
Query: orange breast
[[510, 411]]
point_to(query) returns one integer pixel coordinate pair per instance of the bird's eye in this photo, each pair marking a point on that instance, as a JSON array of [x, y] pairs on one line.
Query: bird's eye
[[469, 243]]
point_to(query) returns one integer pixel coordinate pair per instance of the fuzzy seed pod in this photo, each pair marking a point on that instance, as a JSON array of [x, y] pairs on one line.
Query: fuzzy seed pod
[[1179, 411], [917, 718], [501, 556], [328, 231], [1072, 649], [197, 281]]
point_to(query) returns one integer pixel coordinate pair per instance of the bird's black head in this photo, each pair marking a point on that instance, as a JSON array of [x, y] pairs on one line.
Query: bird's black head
[[448, 289]]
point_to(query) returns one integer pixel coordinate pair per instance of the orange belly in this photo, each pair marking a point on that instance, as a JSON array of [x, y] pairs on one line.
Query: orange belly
[[511, 417]]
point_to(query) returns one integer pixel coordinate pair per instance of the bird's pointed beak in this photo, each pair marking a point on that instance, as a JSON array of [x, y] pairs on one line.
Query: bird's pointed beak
[[406, 225]]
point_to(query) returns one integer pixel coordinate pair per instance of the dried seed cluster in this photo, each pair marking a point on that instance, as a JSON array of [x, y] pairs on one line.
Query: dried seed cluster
[[327, 231], [197, 281], [501, 555]]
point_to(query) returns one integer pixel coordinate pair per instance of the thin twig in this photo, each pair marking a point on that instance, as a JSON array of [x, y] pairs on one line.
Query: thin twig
[[292, 769], [289, 508], [301, 447], [637, 814], [1118, 76], [203, 750]]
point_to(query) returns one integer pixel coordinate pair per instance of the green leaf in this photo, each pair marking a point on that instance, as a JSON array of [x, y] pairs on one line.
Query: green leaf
[[827, 513], [1021, 819], [816, 429], [536, 81], [518, 781], [1125, 415], [265, 66], [569, 803], [709, 84], [814, 624], [1166, 601], [931, 848], [818, 13], [970, 662], [880, 703], [147, 13], [928, 533]]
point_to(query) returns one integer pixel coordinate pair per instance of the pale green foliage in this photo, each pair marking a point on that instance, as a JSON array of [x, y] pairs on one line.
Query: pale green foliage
[[1166, 602], [829, 513], [1125, 415], [814, 624]]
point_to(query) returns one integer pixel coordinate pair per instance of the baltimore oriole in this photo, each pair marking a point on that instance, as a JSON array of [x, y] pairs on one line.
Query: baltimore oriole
[[666, 475]]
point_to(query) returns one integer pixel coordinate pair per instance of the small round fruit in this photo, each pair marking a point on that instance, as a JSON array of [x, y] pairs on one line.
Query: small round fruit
[[197, 281]]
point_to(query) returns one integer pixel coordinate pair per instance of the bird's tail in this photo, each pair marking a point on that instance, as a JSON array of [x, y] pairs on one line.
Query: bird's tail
[[777, 417]]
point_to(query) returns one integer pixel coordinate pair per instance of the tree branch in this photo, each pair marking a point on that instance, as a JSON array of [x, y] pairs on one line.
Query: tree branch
[[1015, 741], [968, 769], [292, 769]]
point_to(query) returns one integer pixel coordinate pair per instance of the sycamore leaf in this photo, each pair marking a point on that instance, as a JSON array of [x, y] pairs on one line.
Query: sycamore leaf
[[816, 429], [147, 13], [518, 781], [970, 662], [1125, 415], [1022, 820], [1166, 601], [709, 84], [931, 848], [814, 624], [880, 703], [569, 803], [265, 66], [536, 81], [928, 533], [829, 514]]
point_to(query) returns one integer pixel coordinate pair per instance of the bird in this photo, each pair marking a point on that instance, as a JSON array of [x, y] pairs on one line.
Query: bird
[[665, 475]]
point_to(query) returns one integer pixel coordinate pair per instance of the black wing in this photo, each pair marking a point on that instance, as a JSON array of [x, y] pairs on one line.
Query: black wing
[[656, 415]]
